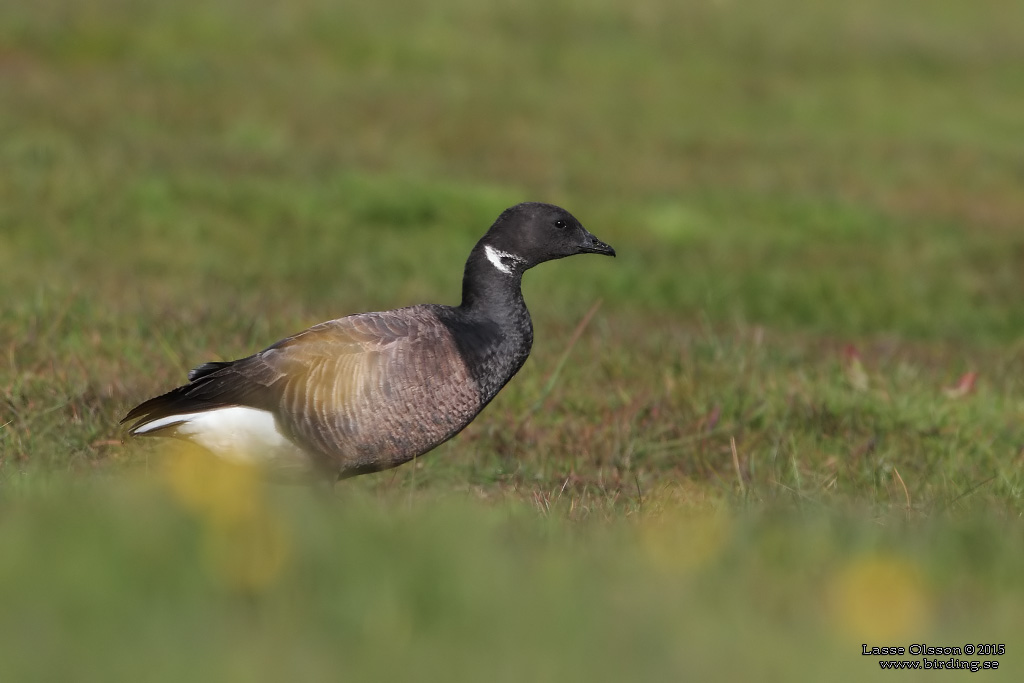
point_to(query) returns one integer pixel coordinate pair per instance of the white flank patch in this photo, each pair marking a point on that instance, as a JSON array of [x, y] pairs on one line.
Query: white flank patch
[[236, 433], [495, 256]]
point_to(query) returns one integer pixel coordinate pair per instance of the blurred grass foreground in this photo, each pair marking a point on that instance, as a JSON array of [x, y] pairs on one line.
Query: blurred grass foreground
[[120, 581], [792, 427]]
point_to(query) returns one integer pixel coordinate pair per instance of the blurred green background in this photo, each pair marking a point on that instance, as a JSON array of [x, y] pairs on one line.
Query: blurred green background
[[792, 426]]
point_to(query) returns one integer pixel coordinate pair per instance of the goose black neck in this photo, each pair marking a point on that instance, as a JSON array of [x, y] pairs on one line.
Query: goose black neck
[[490, 290], [492, 327]]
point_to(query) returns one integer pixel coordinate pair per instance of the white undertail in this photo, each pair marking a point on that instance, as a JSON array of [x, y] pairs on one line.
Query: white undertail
[[237, 433]]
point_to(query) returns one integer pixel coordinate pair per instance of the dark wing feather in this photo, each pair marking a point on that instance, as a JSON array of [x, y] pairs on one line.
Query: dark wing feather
[[207, 369], [230, 383], [248, 381]]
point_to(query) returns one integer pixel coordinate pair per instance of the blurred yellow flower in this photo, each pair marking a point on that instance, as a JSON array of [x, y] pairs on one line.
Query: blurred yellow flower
[[247, 553], [684, 542], [880, 599], [244, 543]]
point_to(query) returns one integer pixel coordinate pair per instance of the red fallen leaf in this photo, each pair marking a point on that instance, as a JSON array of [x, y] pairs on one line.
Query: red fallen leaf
[[963, 387], [711, 419]]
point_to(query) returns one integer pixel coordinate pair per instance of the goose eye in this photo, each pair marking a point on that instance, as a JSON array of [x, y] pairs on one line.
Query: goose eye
[[560, 224]]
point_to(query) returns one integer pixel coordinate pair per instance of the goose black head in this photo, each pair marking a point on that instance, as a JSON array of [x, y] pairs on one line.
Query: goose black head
[[531, 233]]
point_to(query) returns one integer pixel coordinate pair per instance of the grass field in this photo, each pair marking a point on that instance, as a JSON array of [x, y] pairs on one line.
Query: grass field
[[792, 425]]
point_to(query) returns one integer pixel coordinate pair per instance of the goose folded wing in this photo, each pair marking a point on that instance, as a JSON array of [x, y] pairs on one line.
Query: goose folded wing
[[302, 373]]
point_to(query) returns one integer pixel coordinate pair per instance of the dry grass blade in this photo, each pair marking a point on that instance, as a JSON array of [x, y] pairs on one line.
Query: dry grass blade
[[736, 465], [549, 385], [906, 493]]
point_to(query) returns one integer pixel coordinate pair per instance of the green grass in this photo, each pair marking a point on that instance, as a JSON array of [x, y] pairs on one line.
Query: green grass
[[389, 588], [750, 463]]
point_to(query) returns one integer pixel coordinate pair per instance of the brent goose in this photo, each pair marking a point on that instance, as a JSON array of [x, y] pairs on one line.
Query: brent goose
[[371, 391]]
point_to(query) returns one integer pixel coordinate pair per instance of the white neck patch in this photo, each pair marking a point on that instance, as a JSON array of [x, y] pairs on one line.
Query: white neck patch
[[502, 260]]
